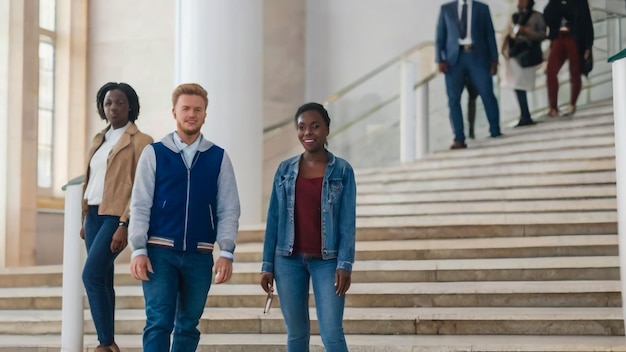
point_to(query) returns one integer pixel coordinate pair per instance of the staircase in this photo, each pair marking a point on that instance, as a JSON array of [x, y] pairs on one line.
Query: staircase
[[509, 245]]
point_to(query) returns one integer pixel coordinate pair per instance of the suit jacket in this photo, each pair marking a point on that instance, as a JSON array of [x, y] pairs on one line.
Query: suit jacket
[[482, 32]]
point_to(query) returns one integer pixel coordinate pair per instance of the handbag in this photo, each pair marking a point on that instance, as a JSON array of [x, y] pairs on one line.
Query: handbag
[[532, 56], [526, 53]]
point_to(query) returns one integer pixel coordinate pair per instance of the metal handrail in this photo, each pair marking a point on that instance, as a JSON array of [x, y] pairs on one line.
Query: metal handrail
[[374, 72], [380, 106], [342, 92]]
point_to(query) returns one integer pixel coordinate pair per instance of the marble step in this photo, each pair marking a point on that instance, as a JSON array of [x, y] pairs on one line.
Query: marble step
[[507, 258], [488, 207], [531, 148], [579, 192], [467, 248], [574, 217], [470, 226], [595, 293], [356, 343], [495, 170], [599, 321], [583, 178]]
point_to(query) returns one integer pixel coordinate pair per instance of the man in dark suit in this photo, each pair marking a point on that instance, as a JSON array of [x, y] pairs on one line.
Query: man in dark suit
[[465, 47]]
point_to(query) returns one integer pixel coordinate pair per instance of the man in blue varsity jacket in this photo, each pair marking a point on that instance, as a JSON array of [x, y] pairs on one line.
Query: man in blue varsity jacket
[[184, 200]]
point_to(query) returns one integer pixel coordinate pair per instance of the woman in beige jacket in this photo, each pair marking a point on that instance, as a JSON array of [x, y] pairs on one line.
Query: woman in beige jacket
[[109, 179]]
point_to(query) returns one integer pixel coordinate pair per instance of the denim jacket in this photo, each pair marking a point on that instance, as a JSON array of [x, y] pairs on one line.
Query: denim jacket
[[338, 213]]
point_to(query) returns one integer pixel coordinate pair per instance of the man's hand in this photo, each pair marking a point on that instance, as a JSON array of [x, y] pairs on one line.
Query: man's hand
[[267, 282], [223, 270], [140, 266], [342, 281], [494, 68], [82, 232], [443, 67], [120, 239]]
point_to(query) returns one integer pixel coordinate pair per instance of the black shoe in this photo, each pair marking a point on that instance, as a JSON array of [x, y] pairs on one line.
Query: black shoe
[[497, 135], [525, 123], [458, 145]]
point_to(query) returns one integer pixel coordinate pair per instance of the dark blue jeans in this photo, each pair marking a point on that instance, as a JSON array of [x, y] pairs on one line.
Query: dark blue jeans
[[292, 276], [175, 297], [98, 272]]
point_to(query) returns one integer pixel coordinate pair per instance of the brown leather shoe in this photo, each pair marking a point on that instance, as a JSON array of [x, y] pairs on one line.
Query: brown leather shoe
[[101, 348], [111, 348], [458, 145]]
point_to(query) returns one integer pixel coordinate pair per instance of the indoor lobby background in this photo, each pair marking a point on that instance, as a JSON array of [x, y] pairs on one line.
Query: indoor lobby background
[[258, 59]]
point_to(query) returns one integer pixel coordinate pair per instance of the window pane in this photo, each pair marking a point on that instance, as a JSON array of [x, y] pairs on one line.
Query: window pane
[[44, 167], [46, 76], [45, 127], [47, 14], [46, 113]]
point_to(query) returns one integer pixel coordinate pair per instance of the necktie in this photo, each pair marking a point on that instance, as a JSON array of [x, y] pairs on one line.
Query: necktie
[[463, 22]]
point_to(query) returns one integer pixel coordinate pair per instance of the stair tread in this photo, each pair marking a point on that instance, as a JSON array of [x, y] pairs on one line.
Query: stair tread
[[466, 243], [399, 343], [360, 313], [464, 287], [529, 218]]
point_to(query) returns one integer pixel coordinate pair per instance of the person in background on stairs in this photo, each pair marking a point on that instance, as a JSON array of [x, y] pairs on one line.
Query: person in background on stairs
[[184, 200], [522, 49], [571, 34], [111, 165], [465, 46], [310, 235]]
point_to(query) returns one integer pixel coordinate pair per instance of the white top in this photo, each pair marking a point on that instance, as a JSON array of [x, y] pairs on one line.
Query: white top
[[98, 165], [468, 39]]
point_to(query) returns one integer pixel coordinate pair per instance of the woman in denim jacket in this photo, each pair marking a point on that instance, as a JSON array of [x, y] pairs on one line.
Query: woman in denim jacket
[[310, 235]]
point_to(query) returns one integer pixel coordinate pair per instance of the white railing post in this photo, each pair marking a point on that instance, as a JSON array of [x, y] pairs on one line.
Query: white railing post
[[421, 128], [613, 29], [619, 113], [407, 112], [73, 261]]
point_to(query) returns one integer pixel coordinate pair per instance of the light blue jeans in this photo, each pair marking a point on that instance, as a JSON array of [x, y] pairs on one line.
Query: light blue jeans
[[175, 297], [292, 276], [98, 272]]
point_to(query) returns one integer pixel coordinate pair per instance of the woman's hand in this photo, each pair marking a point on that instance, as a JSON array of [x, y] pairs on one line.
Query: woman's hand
[[120, 239], [267, 282], [342, 281]]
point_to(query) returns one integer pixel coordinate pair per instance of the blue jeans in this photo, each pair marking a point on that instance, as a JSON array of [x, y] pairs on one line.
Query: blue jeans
[[98, 272], [292, 276], [175, 297], [471, 66]]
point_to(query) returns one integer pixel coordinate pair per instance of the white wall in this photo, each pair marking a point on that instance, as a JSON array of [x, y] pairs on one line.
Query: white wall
[[133, 42]]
